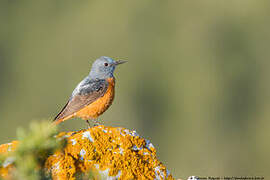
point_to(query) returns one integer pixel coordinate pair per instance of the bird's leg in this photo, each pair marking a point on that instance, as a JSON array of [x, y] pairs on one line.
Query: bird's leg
[[88, 124]]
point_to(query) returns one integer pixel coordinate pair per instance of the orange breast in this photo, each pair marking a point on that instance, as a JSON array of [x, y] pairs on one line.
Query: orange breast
[[93, 110]]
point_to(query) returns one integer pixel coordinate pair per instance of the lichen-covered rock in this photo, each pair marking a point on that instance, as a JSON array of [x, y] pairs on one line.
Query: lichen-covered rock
[[107, 152]]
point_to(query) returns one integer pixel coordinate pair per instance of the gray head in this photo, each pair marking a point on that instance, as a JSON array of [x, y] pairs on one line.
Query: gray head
[[104, 67]]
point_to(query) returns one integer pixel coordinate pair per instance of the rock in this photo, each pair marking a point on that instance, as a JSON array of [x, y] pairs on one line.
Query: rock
[[105, 152]]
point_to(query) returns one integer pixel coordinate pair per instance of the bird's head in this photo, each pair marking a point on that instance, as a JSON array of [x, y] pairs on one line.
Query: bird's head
[[104, 67]]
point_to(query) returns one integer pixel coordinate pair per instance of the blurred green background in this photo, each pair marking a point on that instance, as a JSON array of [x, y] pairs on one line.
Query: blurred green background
[[196, 84]]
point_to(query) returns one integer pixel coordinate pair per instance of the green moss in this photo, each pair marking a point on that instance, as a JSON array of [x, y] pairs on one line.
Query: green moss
[[2, 159], [36, 144]]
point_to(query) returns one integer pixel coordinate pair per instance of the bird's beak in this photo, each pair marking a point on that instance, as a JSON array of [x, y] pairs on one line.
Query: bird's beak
[[119, 62]]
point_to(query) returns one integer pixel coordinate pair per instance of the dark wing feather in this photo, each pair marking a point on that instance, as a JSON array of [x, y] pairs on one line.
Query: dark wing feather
[[87, 93]]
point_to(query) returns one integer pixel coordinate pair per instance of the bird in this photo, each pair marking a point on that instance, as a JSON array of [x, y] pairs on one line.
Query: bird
[[94, 94]]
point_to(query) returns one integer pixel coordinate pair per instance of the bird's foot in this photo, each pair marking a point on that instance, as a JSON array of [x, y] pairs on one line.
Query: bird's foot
[[96, 122]]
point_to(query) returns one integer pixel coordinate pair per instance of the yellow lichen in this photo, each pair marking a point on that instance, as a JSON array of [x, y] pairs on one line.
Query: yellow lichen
[[4, 150], [116, 152], [9, 147]]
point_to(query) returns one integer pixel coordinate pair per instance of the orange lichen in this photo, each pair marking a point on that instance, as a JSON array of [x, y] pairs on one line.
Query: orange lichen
[[7, 167], [9, 147], [114, 152]]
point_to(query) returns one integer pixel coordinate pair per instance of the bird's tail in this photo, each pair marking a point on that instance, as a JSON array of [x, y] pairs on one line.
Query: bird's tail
[[58, 120]]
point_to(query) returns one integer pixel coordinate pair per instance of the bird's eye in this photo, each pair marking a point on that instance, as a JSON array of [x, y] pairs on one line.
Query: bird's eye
[[106, 64]]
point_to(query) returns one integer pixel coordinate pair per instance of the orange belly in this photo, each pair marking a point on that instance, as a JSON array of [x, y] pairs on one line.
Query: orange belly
[[95, 109]]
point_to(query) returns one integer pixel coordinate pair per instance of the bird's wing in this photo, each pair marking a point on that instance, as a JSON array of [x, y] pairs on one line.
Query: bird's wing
[[84, 95]]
